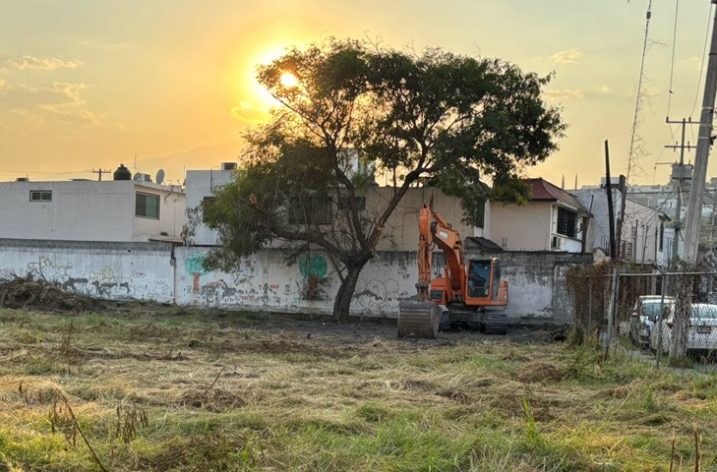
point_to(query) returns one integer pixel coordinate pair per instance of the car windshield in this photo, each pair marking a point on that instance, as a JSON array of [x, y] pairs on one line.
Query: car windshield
[[652, 310], [704, 312]]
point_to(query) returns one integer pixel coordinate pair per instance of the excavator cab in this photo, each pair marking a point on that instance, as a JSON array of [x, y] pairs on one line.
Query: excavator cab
[[484, 286]]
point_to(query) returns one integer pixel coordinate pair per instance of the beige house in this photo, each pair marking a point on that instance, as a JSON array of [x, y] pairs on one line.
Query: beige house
[[553, 220]]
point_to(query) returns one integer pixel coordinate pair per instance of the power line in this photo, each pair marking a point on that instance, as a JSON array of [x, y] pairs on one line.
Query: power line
[[672, 65]]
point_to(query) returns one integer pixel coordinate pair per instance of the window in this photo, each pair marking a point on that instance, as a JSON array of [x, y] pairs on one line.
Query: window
[[312, 211], [567, 223], [40, 195], [479, 278], [147, 205]]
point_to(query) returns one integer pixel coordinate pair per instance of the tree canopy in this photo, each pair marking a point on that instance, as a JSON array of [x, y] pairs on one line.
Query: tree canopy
[[353, 111]]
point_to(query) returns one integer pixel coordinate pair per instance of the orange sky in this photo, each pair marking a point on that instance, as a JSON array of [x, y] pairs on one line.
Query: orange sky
[[87, 84]]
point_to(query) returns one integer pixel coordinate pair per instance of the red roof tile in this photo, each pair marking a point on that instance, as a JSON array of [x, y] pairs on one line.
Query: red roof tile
[[542, 190]]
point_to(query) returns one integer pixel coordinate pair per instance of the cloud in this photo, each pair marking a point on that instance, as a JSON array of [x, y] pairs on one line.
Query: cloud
[[570, 56], [246, 112], [59, 102], [563, 94], [604, 90], [39, 63]]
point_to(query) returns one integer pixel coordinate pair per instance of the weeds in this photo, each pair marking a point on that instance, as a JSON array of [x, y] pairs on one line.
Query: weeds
[[247, 394]]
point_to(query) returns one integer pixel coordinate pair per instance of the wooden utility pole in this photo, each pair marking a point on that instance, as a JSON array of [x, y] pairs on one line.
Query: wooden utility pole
[[680, 178], [704, 142], [610, 209], [99, 173]]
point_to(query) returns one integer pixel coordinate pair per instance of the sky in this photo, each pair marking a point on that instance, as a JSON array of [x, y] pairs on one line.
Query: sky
[[90, 84]]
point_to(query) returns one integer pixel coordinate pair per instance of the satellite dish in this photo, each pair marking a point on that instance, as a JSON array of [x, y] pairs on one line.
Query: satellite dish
[[159, 178]]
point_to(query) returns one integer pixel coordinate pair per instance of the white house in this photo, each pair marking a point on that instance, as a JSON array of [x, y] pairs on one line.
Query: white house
[[82, 210], [645, 238]]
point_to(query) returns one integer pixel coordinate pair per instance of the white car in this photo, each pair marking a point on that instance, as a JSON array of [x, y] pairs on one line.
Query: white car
[[702, 334], [644, 316]]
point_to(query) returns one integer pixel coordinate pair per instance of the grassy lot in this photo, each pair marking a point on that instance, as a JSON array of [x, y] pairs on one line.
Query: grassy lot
[[164, 389]]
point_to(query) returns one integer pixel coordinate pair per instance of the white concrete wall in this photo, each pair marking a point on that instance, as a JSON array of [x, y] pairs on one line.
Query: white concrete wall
[[80, 211], [113, 271], [172, 215], [266, 281], [521, 227], [201, 184]]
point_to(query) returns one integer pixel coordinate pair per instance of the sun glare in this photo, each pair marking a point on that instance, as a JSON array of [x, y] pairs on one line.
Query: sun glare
[[289, 80]]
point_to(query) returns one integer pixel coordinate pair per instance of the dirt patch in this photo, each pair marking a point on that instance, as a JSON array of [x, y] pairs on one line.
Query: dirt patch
[[23, 293], [277, 346], [539, 371]]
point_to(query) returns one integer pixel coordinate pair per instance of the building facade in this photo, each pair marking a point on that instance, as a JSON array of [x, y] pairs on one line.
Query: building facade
[[114, 210], [552, 220]]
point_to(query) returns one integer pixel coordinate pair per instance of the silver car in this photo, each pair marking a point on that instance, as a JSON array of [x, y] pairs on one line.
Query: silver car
[[644, 316], [702, 334]]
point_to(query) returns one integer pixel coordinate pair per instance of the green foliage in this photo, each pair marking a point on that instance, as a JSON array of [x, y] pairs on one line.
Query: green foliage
[[447, 120]]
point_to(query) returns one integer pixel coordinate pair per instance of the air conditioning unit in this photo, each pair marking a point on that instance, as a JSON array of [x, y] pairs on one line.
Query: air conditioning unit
[[555, 243], [229, 166]]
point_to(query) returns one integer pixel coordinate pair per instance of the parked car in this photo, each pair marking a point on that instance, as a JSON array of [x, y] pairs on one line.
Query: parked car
[[644, 316], [702, 334]]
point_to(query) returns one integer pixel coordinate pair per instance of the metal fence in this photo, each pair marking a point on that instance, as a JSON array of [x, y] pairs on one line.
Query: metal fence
[[641, 303]]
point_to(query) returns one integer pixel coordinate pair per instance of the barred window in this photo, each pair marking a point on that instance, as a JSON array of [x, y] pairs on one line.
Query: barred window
[[40, 195], [567, 223]]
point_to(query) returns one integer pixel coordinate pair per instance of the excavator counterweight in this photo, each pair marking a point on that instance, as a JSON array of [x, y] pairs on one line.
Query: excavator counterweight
[[469, 294]]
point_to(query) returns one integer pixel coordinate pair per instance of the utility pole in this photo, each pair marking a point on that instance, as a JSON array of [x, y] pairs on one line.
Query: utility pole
[[704, 141], [680, 178], [610, 209], [99, 173]]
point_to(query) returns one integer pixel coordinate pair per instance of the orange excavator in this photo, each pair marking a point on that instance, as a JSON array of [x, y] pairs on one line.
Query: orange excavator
[[468, 294]]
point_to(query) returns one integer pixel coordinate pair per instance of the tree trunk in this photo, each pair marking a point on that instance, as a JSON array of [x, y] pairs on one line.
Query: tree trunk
[[681, 320], [342, 303]]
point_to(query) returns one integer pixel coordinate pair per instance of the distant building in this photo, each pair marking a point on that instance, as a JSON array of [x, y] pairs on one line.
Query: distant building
[[400, 232], [645, 238], [113, 210], [552, 220]]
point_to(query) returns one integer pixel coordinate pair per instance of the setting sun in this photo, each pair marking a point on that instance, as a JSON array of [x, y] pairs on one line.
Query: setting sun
[[289, 80]]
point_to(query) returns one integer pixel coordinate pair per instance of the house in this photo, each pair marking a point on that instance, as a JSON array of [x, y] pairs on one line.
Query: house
[[83, 210], [644, 237], [552, 220], [400, 231]]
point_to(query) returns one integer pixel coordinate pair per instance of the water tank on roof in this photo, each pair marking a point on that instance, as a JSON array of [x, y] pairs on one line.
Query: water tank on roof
[[122, 173]]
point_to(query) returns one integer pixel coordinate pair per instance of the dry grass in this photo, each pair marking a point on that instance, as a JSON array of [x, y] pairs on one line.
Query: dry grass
[[162, 389]]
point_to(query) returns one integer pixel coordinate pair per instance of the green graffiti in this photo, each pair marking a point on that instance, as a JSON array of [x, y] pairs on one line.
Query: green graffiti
[[195, 264], [313, 264]]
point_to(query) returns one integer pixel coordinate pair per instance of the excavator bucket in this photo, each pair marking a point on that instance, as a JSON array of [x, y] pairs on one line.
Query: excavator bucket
[[418, 319]]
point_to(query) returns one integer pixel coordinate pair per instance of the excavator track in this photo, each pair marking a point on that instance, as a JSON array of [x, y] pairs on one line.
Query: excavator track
[[418, 319], [488, 322]]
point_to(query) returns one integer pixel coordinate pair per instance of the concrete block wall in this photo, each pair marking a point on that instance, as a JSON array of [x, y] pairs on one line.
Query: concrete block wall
[[536, 281], [107, 270], [265, 281]]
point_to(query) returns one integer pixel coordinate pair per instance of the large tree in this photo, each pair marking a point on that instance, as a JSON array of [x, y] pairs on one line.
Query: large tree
[[347, 111]]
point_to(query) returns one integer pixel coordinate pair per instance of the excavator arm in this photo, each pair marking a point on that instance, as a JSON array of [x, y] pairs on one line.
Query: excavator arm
[[435, 231]]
